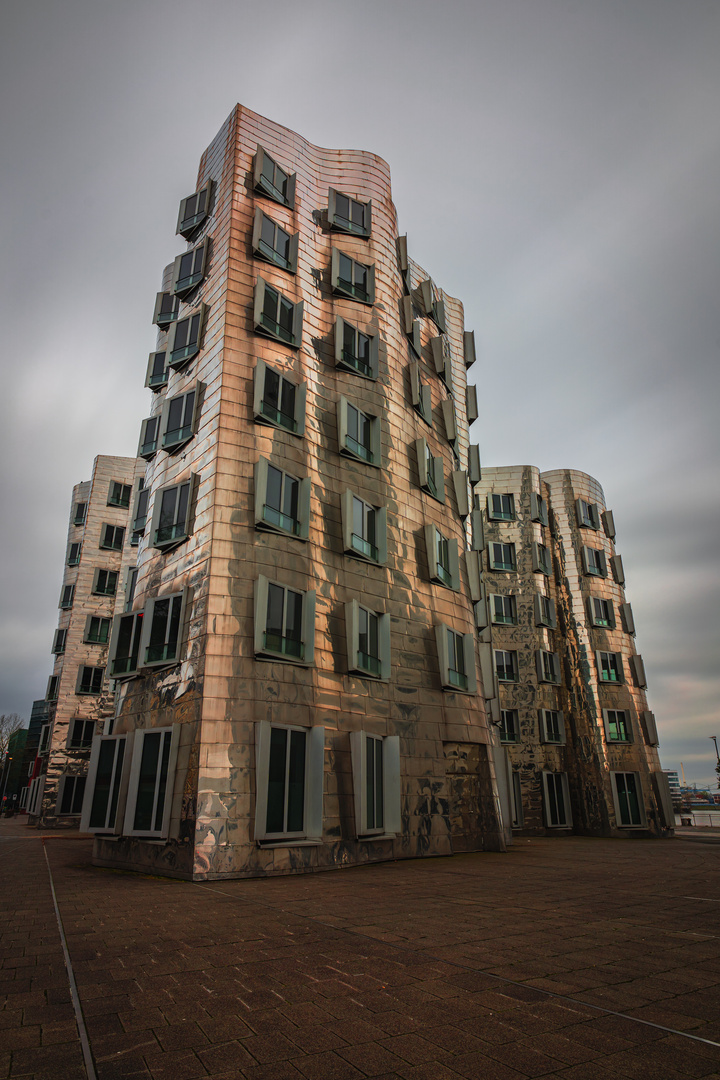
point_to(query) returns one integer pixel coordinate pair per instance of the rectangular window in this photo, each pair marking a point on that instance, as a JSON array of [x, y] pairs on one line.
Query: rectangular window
[[503, 610], [79, 513], [594, 562], [162, 630], [517, 807], [355, 351], [289, 764], [538, 508], [278, 401], [552, 726], [282, 501], [471, 403], [545, 614], [284, 622], [541, 559], [105, 583], [474, 464], [58, 645], [548, 666], [80, 734], [618, 727], [420, 394], [443, 558], [411, 325], [73, 557], [352, 279], [442, 359], [97, 630], [588, 516], [171, 515], [376, 783], [364, 529], [71, 791], [637, 669], [501, 507], [502, 557], [184, 338], [627, 791], [149, 433], [66, 597], [178, 419], [194, 210], [166, 310], [448, 410], [125, 644], [130, 586], [368, 641], [89, 680], [139, 516], [609, 667], [506, 665], [349, 215], [189, 269], [431, 473], [277, 317], [618, 572], [152, 775], [272, 180], [359, 434], [608, 522], [509, 726], [44, 744], [273, 243], [600, 612], [556, 800], [628, 621], [157, 371], [119, 494], [106, 779], [113, 538]]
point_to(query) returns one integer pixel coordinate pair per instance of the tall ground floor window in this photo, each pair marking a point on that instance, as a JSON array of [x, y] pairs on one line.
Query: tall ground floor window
[[627, 793]]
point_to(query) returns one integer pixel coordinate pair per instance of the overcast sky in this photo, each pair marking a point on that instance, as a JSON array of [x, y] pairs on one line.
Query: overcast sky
[[556, 165]]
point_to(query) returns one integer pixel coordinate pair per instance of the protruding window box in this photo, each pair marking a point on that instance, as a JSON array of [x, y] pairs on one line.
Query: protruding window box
[[275, 316], [194, 210], [443, 558], [272, 180], [189, 269], [456, 658], [151, 784], [349, 215], [368, 641], [548, 666], [172, 509], [618, 725], [431, 472], [124, 651], [278, 401], [282, 501], [107, 781], [167, 307], [274, 244], [359, 434], [364, 529], [179, 417], [355, 350], [185, 337], [89, 680], [157, 371], [284, 623], [420, 395], [552, 726], [376, 785], [289, 764], [352, 279]]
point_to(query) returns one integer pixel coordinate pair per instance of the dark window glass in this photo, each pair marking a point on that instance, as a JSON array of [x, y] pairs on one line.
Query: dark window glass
[[73, 792], [107, 784], [281, 506], [278, 402], [146, 782], [368, 641], [359, 433], [374, 782], [286, 781]]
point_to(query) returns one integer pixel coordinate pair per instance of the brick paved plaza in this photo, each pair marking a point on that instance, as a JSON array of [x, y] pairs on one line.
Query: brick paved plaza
[[481, 966]]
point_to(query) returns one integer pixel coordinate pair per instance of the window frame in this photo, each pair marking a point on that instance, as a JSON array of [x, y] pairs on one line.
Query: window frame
[[313, 785], [260, 605], [373, 369], [513, 667], [562, 780], [119, 502], [538, 509], [186, 226], [420, 394], [93, 679], [185, 524], [300, 399], [267, 187], [501, 515], [509, 735], [187, 352], [443, 652], [148, 445], [541, 560], [135, 618], [471, 403], [80, 745], [544, 660], [506, 619], [260, 475], [188, 429], [447, 406], [76, 780], [542, 618], [619, 668], [626, 723], [617, 797], [502, 567], [587, 515], [590, 569], [345, 225], [104, 538], [474, 464], [67, 597], [548, 726], [352, 641], [59, 641], [139, 515], [163, 319], [596, 620], [117, 787], [442, 359], [618, 572], [347, 509], [447, 576], [79, 515], [375, 451], [294, 339], [637, 670], [258, 244], [153, 381], [391, 791], [351, 291], [411, 325], [436, 486], [182, 287], [73, 559], [96, 581], [148, 619], [138, 740], [627, 618], [102, 619]]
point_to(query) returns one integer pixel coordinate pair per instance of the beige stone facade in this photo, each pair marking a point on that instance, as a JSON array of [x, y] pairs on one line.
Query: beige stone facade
[[377, 343], [98, 558], [581, 742]]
